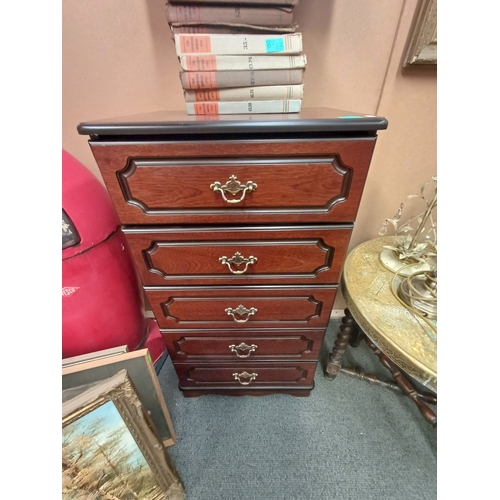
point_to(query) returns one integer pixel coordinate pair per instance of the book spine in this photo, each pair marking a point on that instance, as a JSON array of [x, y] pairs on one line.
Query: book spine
[[290, 43], [228, 63], [267, 93], [229, 29], [265, 16], [196, 80], [243, 107]]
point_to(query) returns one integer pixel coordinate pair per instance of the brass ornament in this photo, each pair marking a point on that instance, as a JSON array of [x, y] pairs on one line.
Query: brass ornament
[[419, 292], [415, 241]]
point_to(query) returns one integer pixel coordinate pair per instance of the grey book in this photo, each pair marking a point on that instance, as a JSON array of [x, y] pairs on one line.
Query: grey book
[[240, 78]]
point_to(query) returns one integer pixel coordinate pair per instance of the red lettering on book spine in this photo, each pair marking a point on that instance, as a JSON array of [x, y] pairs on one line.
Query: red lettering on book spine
[[195, 44], [206, 108], [207, 95], [201, 63], [200, 79]]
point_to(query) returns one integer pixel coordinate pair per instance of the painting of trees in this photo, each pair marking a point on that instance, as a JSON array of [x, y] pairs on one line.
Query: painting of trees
[[102, 461]]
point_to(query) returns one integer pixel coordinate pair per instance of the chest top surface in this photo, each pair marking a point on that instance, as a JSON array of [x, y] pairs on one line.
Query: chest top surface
[[309, 120]]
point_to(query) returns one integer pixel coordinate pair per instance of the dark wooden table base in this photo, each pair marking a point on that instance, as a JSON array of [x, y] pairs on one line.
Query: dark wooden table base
[[350, 334]]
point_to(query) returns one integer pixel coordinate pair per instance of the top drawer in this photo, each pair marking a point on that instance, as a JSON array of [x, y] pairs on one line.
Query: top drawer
[[235, 181]]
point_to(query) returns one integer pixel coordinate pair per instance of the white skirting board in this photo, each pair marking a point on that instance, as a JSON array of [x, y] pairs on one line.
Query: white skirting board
[[337, 313]]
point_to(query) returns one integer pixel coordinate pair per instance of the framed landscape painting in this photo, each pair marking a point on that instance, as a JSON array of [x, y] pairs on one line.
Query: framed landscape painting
[[141, 371], [110, 448]]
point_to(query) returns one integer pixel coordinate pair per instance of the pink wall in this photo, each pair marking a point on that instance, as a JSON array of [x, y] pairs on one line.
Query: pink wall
[[119, 59]]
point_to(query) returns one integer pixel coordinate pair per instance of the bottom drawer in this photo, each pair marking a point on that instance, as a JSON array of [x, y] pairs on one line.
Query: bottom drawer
[[254, 375], [250, 345]]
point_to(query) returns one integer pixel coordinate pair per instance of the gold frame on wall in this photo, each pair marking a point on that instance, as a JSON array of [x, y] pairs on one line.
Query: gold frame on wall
[[422, 47]]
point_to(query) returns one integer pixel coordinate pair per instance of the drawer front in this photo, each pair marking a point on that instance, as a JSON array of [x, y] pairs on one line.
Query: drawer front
[[209, 345], [251, 376], [241, 307], [235, 181], [310, 254]]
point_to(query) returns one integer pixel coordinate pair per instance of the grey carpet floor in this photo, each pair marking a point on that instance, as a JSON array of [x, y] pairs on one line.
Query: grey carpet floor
[[347, 440]]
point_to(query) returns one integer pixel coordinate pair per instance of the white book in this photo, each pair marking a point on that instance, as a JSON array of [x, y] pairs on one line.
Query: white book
[[243, 107], [265, 93], [289, 43], [223, 63]]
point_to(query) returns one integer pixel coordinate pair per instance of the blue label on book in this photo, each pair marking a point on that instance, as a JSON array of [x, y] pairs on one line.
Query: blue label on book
[[275, 45]]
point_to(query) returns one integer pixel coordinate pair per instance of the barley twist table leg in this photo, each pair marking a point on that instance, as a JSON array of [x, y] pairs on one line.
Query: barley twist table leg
[[404, 384], [357, 336], [346, 329]]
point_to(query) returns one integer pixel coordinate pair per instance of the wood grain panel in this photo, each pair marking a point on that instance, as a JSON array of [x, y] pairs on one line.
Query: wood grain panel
[[238, 280], [210, 345], [277, 307], [169, 182], [268, 375], [296, 254]]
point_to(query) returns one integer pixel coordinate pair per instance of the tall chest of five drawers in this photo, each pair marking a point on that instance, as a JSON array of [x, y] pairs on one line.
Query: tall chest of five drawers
[[239, 227]]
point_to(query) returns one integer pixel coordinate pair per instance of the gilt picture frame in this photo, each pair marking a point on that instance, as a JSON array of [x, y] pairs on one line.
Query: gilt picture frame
[[110, 448], [141, 371], [422, 40]]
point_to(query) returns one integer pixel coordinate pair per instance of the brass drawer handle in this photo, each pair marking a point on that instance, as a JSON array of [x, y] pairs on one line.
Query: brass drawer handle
[[251, 376], [238, 260], [243, 347], [233, 186], [240, 310]]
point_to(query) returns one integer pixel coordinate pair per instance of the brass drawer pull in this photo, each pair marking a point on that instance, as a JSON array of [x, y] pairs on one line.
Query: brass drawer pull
[[251, 376], [238, 260], [243, 347], [233, 186], [240, 310]]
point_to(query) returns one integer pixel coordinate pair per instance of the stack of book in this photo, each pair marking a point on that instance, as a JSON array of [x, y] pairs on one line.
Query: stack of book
[[238, 57]]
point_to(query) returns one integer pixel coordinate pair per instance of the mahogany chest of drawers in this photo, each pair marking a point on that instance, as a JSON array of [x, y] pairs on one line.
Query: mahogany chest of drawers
[[239, 226]]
